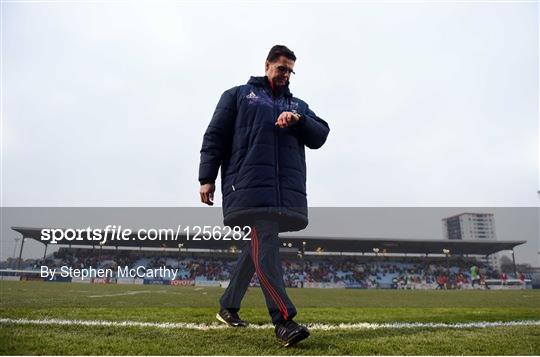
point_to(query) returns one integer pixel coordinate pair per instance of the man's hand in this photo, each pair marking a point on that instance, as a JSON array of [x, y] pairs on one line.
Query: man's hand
[[207, 193], [286, 119]]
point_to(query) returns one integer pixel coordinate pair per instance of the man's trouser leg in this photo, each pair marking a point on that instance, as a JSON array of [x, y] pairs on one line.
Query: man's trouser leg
[[265, 254], [261, 254], [241, 277]]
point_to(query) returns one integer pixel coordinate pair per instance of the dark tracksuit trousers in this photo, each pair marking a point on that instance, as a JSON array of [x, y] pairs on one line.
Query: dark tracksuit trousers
[[261, 255]]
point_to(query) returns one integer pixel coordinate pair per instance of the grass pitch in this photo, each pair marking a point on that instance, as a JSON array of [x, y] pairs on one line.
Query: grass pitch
[[173, 304]]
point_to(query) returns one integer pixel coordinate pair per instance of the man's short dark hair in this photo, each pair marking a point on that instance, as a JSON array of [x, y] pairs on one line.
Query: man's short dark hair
[[278, 51]]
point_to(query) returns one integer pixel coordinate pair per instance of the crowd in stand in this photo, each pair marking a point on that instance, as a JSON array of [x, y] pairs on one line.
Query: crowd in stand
[[347, 271], [370, 273]]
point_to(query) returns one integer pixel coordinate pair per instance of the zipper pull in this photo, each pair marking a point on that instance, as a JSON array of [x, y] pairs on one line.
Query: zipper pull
[[234, 189]]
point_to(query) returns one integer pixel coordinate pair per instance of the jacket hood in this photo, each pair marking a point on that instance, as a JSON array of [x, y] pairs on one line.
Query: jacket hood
[[264, 83]]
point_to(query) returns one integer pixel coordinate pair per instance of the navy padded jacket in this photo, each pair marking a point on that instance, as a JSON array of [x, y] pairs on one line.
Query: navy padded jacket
[[263, 167]]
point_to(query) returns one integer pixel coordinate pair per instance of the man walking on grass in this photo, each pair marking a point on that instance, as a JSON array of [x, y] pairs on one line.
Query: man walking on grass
[[257, 136]]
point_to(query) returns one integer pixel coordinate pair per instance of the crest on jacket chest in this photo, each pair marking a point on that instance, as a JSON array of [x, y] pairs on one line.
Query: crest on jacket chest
[[293, 107]]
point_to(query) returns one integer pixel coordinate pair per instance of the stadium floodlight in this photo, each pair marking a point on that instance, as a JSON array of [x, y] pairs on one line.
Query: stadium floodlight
[[290, 245]]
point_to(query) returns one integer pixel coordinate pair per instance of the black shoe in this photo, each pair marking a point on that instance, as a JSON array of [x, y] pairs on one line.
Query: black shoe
[[230, 318], [290, 333]]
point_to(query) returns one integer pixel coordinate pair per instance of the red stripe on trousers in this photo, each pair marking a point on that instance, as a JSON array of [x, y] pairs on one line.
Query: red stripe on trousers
[[264, 281], [269, 287], [275, 296]]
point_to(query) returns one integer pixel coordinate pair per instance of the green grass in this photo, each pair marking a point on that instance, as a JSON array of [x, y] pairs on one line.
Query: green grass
[[38, 300]]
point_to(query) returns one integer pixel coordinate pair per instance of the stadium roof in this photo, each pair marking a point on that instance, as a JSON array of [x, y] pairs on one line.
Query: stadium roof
[[312, 243]]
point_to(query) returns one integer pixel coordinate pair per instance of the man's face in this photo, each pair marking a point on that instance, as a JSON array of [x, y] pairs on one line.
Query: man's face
[[279, 72]]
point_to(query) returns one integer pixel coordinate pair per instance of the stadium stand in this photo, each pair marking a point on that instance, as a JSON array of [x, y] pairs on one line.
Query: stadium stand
[[314, 262], [314, 271]]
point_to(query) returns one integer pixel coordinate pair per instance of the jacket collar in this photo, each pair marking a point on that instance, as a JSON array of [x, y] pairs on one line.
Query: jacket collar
[[264, 83]]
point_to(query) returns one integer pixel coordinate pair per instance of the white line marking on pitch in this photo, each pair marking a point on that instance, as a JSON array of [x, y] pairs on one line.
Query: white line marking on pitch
[[324, 327]]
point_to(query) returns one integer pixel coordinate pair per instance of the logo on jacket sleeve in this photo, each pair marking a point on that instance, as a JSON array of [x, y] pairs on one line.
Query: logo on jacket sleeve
[[252, 96]]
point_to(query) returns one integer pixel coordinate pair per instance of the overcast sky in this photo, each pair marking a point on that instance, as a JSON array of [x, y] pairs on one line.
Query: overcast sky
[[429, 104]]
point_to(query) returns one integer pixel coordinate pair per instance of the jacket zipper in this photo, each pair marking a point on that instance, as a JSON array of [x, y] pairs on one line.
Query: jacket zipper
[[276, 145], [276, 153]]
